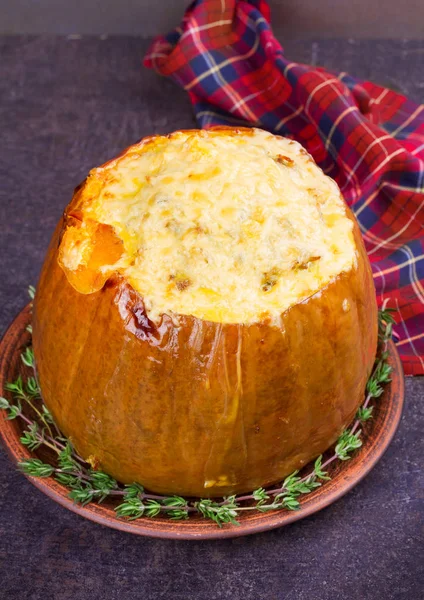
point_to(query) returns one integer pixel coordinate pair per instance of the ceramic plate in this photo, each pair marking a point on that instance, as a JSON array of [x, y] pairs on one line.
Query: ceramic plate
[[377, 435]]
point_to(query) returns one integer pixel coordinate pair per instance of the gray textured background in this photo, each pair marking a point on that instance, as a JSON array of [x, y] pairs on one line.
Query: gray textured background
[[291, 19], [66, 106]]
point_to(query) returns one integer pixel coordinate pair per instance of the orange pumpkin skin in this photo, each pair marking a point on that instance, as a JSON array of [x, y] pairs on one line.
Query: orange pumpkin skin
[[202, 408]]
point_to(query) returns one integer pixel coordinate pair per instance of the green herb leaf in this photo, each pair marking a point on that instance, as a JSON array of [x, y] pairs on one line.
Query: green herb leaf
[[319, 473], [27, 357], [346, 443], [291, 503], [134, 490], [71, 481], [32, 388], [82, 496], [219, 513], [4, 404], [15, 410], [36, 468], [364, 414], [47, 416], [131, 508], [66, 461], [31, 437], [260, 495], [16, 387]]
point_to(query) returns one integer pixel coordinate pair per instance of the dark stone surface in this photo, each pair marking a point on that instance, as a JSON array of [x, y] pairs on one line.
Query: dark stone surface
[[67, 106], [290, 19]]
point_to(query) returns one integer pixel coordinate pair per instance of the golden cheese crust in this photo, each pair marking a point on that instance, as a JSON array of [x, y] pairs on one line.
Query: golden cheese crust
[[195, 406], [225, 225]]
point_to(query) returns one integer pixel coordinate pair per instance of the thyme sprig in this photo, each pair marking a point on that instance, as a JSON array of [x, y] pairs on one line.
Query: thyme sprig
[[86, 484]]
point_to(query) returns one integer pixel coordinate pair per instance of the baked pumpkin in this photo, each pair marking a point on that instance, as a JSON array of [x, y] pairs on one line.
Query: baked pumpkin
[[205, 321]]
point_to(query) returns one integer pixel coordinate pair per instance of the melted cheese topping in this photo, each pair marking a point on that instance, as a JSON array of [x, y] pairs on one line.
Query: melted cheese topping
[[226, 225]]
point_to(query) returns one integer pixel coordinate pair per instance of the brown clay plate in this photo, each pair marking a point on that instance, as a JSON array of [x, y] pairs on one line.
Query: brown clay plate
[[377, 435]]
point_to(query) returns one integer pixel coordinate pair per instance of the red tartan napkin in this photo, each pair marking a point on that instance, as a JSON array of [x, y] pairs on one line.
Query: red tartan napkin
[[368, 138]]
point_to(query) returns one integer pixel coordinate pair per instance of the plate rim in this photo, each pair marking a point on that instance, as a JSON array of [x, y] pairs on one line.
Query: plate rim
[[341, 484]]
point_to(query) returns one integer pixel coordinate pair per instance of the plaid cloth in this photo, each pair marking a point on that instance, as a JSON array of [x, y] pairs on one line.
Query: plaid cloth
[[368, 138]]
